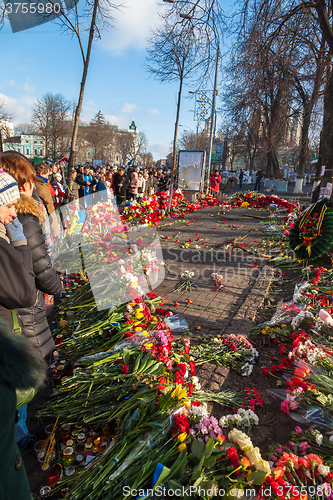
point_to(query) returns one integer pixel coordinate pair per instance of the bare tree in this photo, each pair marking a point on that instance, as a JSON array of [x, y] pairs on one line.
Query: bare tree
[[99, 134], [50, 119], [26, 128], [181, 49], [197, 141], [146, 159], [5, 117], [125, 146]]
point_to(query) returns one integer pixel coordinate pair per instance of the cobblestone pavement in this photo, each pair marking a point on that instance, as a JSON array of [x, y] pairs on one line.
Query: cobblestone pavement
[[246, 277]]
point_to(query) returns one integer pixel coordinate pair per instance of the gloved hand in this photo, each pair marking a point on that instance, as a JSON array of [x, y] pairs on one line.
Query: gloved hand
[[15, 233]]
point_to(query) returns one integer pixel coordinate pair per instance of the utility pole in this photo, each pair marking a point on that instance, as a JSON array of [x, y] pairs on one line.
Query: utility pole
[[212, 120]]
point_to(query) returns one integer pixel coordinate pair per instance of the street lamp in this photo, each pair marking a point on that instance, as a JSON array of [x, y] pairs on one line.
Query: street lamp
[[206, 19], [212, 119], [215, 91]]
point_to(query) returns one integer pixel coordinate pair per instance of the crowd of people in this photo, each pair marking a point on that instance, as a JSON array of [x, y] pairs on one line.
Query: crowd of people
[[124, 183]]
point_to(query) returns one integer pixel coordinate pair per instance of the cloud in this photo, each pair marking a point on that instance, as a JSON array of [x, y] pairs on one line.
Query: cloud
[[18, 107], [122, 122], [28, 88], [132, 25], [159, 149], [129, 108], [153, 111]]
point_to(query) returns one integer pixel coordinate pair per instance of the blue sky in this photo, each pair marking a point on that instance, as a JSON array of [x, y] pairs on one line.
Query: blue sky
[[41, 60]]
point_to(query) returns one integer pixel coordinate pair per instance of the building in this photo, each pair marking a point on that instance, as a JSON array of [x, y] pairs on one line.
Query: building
[[27, 144]]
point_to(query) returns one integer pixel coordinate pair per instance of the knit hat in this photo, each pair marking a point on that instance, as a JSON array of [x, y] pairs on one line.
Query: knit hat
[[9, 190]]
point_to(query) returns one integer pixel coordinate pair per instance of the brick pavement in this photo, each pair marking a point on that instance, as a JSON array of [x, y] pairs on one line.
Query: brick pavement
[[216, 312]]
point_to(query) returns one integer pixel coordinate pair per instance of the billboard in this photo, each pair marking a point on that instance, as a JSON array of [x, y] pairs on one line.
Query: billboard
[[191, 170], [217, 152]]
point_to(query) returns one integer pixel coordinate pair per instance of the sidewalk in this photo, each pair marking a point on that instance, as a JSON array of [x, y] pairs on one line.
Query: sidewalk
[[246, 278]]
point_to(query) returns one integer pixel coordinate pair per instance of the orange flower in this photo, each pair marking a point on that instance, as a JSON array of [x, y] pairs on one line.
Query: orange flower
[[245, 462], [220, 438], [278, 472], [315, 458]]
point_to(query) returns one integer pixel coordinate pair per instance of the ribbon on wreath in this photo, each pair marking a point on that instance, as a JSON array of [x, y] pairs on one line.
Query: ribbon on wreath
[[160, 474]]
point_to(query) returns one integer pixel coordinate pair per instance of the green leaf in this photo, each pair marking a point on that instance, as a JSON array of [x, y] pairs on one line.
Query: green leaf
[[126, 355], [209, 462], [197, 448], [198, 481], [209, 448], [174, 484], [258, 477]]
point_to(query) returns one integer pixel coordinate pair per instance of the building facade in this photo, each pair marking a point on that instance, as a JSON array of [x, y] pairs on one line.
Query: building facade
[[27, 144]]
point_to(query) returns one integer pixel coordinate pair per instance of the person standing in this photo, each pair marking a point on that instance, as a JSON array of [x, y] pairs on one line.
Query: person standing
[[258, 180], [73, 187], [86, 181], [47, 280], [101, 193], [240, 178], [141, 185], [120, 185], [133, 190], [21, 367], [215, 181]]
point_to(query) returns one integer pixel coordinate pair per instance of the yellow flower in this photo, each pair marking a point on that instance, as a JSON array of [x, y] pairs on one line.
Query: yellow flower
[[181, 437], [245, 204], [144, 332], [139, 314], [181, 447], [137, 328], [179, 392], [149, 346], [137, 323], [132, 303]]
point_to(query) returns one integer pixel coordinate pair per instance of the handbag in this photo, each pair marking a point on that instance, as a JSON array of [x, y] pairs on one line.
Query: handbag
[[23, 396]]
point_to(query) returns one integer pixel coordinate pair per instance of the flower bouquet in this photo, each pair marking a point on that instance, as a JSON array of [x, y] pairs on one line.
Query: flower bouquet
[[187, 282]]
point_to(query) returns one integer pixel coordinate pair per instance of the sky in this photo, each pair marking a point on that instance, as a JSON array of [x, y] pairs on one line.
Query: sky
[[42, 59]]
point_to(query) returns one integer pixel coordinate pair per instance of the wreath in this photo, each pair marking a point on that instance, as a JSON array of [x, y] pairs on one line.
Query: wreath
[[312, 235]]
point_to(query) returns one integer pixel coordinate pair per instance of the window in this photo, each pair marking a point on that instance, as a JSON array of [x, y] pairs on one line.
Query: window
[[27, 151], [36, 152], [40, 152]]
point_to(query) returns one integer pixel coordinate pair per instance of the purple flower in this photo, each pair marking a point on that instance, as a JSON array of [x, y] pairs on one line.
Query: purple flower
[[303, 447]]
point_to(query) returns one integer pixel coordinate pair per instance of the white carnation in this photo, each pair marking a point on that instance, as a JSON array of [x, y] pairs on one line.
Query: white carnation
[[319, 438], [323, 470]]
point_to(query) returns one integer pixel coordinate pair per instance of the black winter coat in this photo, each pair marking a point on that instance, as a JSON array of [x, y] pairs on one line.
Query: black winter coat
[[17, 283], [46, 277], [120, 183], [21, 367]]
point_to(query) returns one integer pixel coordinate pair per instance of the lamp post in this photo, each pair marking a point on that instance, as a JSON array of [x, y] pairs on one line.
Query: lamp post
[[208, 20], [212, 118]]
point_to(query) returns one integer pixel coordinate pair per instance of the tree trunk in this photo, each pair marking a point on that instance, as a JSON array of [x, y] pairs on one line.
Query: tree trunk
[[303, 152], [273, 170], [326, 138], [82, 86]]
